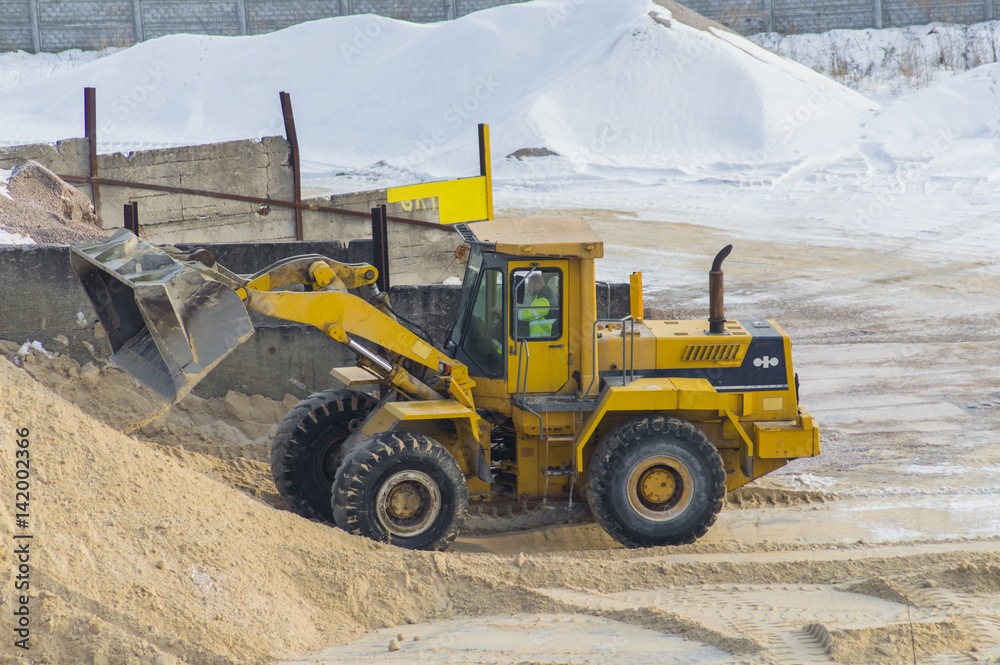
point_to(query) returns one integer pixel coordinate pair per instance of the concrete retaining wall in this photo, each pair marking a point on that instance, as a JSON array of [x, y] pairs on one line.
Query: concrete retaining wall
[[262, 169], [249, 168], [57, 25], [279, 358]]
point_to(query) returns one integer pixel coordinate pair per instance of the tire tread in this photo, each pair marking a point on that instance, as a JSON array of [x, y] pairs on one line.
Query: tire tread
[[293, 441], [630, 433]]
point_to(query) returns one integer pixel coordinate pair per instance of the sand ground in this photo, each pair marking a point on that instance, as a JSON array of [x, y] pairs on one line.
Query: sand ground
[[884, 549]]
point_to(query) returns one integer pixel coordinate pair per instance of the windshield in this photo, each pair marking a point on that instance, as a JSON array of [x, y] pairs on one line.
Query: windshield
[[472, 270], [484, 335]]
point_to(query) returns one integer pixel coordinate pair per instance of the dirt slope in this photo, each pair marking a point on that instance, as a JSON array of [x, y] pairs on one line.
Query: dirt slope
[[136, 556]]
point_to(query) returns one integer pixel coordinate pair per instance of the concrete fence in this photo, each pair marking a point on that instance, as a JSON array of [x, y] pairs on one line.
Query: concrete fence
[[252, 168], [57, 25], [793, 16]]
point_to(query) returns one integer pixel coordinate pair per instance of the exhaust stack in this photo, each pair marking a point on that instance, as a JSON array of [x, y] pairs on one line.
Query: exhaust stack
[[716, 307]]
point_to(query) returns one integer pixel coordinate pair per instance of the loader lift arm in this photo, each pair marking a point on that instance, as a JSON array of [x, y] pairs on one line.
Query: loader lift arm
[[340, 314], [171, 316]]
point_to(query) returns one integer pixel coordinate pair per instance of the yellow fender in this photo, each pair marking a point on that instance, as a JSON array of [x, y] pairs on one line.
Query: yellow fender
[[658, 395]]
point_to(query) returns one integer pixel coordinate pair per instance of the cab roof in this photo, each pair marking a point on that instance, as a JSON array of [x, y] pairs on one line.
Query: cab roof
[[565, 237]]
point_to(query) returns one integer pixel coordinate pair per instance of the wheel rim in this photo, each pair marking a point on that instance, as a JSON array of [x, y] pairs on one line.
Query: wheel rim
[[330, 456], [660, 488], [408, 503]]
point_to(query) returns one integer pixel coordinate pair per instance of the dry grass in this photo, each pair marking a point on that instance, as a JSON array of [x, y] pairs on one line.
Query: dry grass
[[121, 38]]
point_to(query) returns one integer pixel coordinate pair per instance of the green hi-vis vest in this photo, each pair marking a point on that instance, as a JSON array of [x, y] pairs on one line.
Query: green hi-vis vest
[[538, 326]]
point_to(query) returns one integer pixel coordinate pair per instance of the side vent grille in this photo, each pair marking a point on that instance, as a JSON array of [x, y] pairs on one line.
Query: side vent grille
[[706, 352]]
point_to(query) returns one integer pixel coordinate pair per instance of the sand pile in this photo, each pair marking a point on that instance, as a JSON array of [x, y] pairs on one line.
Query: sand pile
[[143, 554], [137, 558], [901, 643], [234, 426], [227, 438], [38, 204]]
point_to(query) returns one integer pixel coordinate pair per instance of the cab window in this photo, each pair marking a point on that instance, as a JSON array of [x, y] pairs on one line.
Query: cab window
[[484, 338], [536, 297]]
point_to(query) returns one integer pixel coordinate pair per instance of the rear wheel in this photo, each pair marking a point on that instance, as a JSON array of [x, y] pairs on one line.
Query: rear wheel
[[401, 488], [306, 452], [656, 480]]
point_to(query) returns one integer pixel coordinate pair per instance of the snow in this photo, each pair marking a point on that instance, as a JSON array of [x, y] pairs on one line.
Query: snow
[[20, 67], [35, 345], [648, 116], [4, 181], [9, 238], [886, 63]]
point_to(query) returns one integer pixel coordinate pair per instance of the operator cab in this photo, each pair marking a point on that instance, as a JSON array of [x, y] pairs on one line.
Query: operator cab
[[515, 312]]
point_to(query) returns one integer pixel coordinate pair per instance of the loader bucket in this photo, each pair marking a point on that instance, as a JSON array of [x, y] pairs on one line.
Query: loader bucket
[[168, 321]]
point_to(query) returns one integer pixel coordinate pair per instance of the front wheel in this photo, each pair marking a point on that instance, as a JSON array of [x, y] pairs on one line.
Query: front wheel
[[401, 488], [656, 480]]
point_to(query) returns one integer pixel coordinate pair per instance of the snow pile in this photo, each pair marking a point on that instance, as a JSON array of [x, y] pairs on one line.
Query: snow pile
[[20, 68], [28, 347], [644, 112], [600, 83], [8, 238], [963, 108]]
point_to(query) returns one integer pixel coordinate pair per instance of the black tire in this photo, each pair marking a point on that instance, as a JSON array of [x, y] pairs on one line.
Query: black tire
[[656, 480], [305, 453], [401, 488]]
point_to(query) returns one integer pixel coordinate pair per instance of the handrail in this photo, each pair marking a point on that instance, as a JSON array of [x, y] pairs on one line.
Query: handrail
[[520, 397], [628, 370], [523, 347]]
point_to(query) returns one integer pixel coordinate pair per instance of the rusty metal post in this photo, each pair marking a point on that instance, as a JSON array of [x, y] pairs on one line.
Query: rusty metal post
[[90, 130], [380, 246], [132, 216], [293, 142]]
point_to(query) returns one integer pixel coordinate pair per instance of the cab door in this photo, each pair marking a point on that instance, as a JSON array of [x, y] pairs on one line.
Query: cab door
[[537, 337]]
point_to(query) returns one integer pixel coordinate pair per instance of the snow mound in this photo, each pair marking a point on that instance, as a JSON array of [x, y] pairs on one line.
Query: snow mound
[[615, 83], [961, 108]]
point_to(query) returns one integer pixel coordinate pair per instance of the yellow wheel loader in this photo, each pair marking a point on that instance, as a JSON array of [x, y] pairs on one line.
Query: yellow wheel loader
[[533, 397]]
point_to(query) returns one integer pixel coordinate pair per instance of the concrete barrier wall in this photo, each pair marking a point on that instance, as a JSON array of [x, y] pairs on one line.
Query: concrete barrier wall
[[255, 168], [280, 358], [57, 25], [248, 168]]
